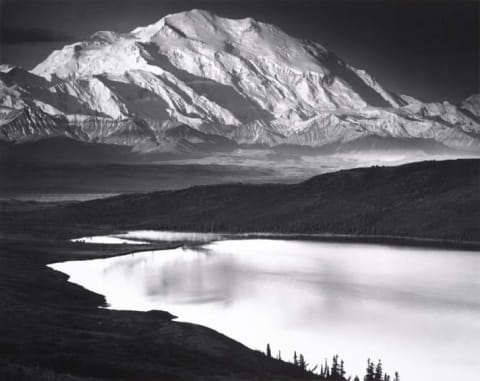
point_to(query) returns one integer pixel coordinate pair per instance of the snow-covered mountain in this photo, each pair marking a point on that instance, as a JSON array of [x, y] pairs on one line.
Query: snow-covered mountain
[[194, 78]]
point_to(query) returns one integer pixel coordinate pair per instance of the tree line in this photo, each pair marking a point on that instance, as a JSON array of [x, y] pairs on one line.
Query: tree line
[[336, 370]]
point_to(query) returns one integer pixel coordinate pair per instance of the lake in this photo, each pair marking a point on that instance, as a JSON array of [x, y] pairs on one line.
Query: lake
[[416, 309]]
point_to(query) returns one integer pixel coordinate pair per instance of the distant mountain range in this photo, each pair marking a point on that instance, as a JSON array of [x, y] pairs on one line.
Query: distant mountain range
[[196, 82]]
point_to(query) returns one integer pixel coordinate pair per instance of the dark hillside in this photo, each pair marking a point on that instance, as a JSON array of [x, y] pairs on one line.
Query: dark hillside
[[438, 200]]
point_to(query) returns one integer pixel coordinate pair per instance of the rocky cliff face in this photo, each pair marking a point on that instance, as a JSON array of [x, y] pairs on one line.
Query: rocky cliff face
[[240, 81]]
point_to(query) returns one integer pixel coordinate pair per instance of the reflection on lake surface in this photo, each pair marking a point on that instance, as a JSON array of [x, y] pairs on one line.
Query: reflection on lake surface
[[416, 309]]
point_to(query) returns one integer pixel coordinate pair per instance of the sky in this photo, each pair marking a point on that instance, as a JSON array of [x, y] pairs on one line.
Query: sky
[[425, 48]]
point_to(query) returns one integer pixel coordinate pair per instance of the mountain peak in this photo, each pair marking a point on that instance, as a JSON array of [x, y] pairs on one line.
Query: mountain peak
[[472, 104], [194, 16], [200, 25], [240, 79]]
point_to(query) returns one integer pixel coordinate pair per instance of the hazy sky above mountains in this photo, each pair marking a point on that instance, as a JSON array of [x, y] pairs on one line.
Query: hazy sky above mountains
[[427, 49]]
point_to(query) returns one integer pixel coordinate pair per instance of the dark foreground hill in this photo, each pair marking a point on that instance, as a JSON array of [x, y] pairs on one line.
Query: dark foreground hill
[[439, 200]]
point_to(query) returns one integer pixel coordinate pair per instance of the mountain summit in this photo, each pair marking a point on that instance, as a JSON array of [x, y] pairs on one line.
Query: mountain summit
[[238, 81]]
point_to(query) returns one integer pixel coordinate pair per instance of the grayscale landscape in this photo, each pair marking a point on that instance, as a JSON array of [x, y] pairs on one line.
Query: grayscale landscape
[[239, 190]]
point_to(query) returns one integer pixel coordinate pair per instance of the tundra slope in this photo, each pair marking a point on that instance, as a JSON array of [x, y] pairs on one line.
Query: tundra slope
[[436, 201], [221, 80]]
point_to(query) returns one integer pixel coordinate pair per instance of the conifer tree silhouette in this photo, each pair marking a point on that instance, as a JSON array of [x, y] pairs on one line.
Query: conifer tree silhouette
[[378, 376], [301, 362], [342, 370], [370, 373], [334, 369]]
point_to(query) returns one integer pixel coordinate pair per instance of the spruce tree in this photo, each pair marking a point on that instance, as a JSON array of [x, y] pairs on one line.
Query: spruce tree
[[378, 371], [327, 370], [370, 376], [301, 362], [342, 369], [295, 360], [334, 369], [269, 351]]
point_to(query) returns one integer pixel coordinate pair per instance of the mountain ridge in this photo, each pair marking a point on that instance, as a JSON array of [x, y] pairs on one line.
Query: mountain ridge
[[242, 80]]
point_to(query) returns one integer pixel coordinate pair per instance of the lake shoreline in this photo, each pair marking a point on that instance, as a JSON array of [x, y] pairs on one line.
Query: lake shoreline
[[390, 240], [397, 241], [370, 281], [115, 340], [30, 259]]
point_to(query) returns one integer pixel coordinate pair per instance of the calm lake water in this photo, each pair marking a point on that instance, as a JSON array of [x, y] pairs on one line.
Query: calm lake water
[[416, 309]]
